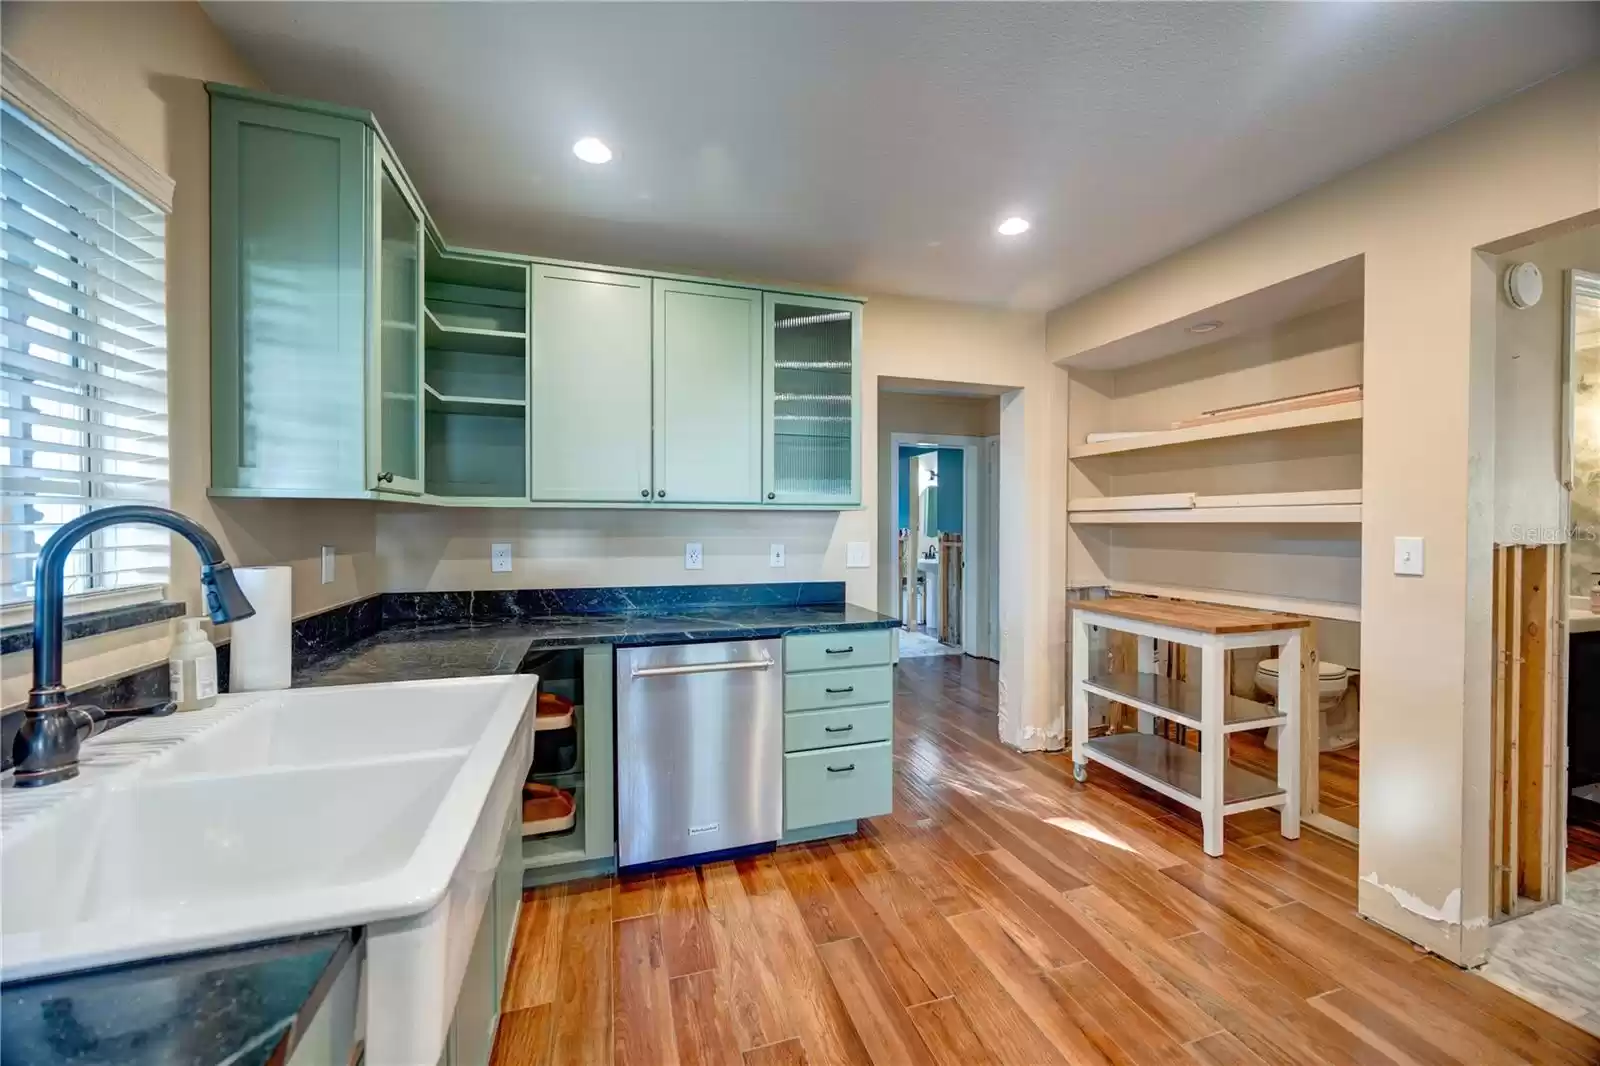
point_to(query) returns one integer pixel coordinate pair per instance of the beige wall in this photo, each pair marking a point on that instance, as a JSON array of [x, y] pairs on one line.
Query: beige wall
[[1428, 443], [139, 71]]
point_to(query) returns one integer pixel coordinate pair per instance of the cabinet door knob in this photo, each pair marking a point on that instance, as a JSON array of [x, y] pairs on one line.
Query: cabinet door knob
[[385, 477], [645, 493], [772, 495], [661, 493]]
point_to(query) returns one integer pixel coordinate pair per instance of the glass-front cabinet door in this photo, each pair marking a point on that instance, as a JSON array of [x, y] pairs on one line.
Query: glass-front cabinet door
[[394, 436], [812, 412]]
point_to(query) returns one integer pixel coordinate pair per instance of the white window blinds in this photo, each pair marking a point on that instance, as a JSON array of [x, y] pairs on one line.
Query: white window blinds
[[83, 362]]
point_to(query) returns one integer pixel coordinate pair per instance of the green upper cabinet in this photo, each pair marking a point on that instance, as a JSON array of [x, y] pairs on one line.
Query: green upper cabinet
[[395, 409], [306, 249], [812, 400], [707, 393], [589, 414]]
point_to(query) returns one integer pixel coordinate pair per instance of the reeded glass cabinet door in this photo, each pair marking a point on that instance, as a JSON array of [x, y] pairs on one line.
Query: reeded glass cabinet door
[[812, 400], [395, 437]]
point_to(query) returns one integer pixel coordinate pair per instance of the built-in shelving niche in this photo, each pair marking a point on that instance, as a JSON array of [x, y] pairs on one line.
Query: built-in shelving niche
[[475, 377]]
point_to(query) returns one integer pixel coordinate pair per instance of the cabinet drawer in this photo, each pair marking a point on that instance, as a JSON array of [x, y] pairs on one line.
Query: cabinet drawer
[[837, 784], [805, 730], [829, 651], [838, 688]]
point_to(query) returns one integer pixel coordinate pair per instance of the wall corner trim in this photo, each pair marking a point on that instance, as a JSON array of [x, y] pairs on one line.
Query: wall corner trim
[[63, 118]]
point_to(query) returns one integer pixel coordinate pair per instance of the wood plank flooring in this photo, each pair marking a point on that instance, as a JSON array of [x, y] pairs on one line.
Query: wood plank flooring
[[1338, 774], [1003, 915], [1583, 846]]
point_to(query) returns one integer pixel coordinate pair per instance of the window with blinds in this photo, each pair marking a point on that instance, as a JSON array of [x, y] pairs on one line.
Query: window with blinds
[[83, 363]]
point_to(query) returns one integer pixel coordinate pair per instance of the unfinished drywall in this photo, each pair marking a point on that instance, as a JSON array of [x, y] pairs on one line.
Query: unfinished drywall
[[139, 70], [1530, 380], [1416, 216]]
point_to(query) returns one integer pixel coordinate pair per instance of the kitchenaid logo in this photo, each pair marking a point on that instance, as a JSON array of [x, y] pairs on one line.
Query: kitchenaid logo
[[699, 830]]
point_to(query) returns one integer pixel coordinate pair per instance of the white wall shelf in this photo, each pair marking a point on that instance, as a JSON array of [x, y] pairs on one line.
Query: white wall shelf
[[1319, 514], [1238, 427]]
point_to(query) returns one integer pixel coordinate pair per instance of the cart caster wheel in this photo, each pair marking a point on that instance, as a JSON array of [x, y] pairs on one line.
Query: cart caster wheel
[[1080, 772]]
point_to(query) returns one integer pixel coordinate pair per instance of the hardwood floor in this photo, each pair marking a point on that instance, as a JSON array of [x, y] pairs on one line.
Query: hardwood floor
[[1583, 846], [1002, 915]]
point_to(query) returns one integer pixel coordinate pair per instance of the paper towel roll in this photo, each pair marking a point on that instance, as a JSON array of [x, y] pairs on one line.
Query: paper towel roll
[[259, 659]]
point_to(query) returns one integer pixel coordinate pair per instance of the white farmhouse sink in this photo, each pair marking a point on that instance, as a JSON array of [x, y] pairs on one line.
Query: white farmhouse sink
[[382, 806]]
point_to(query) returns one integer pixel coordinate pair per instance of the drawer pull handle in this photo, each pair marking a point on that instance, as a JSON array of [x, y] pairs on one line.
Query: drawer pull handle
[[841, 769], [839, 691], [837, 728], [839, 651]]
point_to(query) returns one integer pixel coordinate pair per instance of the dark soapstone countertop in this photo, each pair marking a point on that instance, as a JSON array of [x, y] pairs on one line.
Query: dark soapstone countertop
[[242, 1006], [472, 649]]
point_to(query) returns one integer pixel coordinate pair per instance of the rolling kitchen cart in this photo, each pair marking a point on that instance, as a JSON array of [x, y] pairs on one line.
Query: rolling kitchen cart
[[1204, 779]]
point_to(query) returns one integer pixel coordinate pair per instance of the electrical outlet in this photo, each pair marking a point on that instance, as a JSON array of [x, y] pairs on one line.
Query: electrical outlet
[[1408, 556], [328, 566], [777, 555], [692, 558], [500, 558], [857, 554]]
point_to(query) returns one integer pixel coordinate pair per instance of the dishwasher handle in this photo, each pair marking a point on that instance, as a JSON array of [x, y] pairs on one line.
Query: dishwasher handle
[[702, 668]]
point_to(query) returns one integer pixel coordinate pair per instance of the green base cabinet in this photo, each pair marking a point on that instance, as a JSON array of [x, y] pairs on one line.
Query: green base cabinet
[[838, 703]]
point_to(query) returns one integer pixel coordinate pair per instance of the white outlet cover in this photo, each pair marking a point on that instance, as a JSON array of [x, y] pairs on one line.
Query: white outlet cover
[[693, 558], [1408, 556], [329, 566], [500, 558], [857, 554], [776, 556]]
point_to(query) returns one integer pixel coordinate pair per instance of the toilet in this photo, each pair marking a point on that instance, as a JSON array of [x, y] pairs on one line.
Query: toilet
[[1339, 729]]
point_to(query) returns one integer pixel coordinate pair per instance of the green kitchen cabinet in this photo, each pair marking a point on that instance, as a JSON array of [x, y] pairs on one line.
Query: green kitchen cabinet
[[590, 402], [316, 246], [707, 386], [811, 410]]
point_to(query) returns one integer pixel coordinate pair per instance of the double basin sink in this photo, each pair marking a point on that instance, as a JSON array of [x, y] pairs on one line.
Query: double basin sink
[[381, 806]]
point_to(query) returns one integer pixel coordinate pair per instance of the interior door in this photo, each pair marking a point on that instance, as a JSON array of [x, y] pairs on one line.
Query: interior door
[[589, 416], [395, 437], [707, 393], [812, 408]]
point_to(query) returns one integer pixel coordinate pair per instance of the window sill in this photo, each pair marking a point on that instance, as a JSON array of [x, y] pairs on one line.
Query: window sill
[[19, 637]]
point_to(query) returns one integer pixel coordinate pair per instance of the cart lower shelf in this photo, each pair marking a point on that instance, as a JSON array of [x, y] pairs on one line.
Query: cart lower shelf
[[1174, 771]]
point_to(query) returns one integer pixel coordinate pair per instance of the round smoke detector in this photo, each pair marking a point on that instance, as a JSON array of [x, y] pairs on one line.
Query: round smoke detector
[[1524, 284]]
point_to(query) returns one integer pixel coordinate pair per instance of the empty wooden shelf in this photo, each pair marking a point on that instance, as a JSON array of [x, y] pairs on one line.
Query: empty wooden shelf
[[1179, 701], [1238, 427]]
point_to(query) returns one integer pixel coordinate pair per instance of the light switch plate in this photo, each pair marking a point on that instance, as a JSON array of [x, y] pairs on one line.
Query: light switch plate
[[693, 559], [328, 564], [1408, 556], [776, 558], [857, 554], [500, 558]]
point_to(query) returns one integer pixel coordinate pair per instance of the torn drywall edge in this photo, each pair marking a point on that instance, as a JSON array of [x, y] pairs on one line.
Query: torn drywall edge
[[1447, 914]]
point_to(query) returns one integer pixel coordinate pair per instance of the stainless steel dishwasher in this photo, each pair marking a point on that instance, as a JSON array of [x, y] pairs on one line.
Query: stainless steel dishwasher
[[699, 749]]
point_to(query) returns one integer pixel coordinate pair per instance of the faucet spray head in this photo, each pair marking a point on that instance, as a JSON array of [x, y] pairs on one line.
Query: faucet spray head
[[225, 600]]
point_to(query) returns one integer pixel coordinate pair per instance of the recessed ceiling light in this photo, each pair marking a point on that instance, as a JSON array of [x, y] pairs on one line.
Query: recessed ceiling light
[[592, 150], [1013, 226], [1205, 327]]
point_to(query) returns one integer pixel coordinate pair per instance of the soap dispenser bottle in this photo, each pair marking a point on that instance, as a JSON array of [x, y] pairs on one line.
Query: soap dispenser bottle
[[193, 667]]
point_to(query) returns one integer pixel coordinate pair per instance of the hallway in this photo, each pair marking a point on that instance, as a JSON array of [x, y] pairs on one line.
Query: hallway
[[1002, 915]]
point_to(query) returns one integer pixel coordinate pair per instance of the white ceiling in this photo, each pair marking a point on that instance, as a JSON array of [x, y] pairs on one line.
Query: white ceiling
[[875, 146]]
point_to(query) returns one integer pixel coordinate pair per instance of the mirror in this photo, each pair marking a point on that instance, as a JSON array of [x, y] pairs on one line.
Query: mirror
[[1583, 459]]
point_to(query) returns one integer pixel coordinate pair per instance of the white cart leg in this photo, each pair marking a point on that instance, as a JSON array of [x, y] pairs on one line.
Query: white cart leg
[[1213, 744], [1080, 698], [1289, 739], [1149, 663]]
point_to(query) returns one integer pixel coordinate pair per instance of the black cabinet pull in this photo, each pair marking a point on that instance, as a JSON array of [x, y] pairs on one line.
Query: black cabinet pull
[[645, 493], [661, 493], [385, 477], [772, 495], [837, 728], [839, 651], [838, 691], [841, 769]]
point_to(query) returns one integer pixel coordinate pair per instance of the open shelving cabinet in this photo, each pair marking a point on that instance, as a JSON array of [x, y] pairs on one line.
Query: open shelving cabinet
[[584, 676], [1228, 472], [475, 377]]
